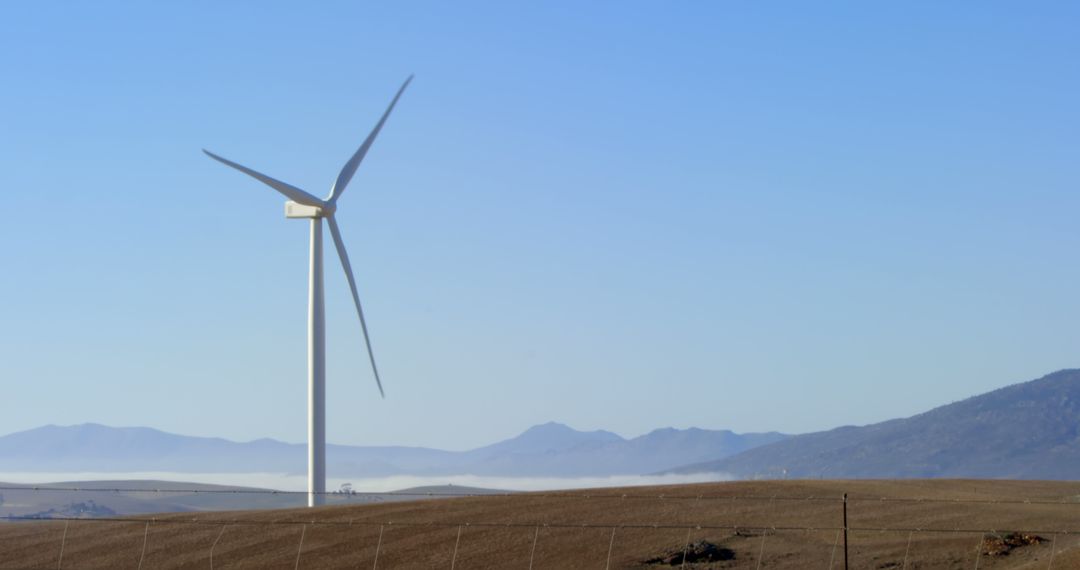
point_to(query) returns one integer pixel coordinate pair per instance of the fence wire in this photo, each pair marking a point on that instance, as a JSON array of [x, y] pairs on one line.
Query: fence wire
[[599, 494], [606, 525]]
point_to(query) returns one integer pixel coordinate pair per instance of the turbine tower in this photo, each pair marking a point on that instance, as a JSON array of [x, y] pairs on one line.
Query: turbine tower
[[304, 205]]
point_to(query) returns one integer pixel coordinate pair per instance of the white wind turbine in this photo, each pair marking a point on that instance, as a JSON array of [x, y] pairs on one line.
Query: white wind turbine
[[304, 205]]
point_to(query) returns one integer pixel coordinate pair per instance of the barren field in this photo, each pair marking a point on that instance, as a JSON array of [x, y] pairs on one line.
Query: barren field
[[773, 524]]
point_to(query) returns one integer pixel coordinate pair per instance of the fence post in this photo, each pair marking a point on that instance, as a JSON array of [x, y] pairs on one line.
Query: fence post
[[303, 532], [63, 539], [146, 534], [908, 549], [532, 553], [453, 558], [610, 545], [686, 547], [761, 553], [378, 545], [845, 533], [832, 558], [213, 546], [978, 551]]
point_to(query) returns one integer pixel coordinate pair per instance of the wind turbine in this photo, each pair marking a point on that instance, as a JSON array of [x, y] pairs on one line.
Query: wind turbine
[[304, 205]]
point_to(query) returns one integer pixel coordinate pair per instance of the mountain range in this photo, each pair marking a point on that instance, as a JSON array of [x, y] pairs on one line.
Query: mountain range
[[1024, 431], [548, 450]]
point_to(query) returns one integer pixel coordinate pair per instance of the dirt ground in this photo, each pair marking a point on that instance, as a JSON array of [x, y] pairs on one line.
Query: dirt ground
[[770, 524]]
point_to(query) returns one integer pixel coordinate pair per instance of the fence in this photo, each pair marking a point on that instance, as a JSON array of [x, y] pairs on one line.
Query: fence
[[583, 529]]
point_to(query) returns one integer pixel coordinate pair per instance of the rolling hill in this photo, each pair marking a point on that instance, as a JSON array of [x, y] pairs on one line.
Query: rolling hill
[[95, 499]]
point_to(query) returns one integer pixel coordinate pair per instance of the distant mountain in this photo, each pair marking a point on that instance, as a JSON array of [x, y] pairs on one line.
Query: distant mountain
[[94, 447], [570, 453], [549, 450], [549, 438], [1023, 431]]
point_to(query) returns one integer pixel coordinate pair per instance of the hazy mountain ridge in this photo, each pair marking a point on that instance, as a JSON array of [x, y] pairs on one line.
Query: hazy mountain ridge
[[1023, 431], [548, 450]]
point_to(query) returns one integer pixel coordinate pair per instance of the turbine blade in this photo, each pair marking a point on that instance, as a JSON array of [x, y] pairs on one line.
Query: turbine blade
[[350, 167], [340, 245], [291, 192]]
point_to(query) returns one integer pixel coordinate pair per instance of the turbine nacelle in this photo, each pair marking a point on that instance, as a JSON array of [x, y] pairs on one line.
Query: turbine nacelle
[[297, 210]]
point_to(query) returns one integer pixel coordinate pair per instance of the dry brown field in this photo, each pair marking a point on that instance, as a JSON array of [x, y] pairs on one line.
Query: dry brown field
[[770, 524]]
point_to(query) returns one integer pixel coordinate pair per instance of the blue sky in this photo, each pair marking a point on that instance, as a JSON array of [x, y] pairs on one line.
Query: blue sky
[[615, 215]]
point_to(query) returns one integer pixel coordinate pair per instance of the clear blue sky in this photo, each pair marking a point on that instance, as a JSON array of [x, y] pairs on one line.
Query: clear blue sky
[[616, 215]]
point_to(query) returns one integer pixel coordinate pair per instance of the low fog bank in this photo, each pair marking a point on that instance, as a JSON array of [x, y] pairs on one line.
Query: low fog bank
[[287, 482]]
